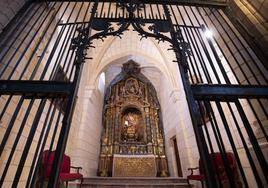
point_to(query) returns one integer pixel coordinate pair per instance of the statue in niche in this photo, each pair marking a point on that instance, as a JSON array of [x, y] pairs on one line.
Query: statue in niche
[[131, 130], [132, 87]]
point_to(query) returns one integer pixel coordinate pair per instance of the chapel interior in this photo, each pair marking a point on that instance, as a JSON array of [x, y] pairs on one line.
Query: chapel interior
[[132, 93]]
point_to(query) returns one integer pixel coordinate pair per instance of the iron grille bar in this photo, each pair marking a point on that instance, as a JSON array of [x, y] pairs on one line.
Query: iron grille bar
[[253, 140], [205, 66], [251, 66], [38, 89], [229, 92], [28, 143], [201, 142], [66, 122], [41, 144], [10, 60], [10, 27], [250, 102], [216, 4], [256, 174]]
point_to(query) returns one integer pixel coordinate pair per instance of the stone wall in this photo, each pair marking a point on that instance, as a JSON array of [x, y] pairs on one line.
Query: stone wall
[[9, 8], [250, 17]]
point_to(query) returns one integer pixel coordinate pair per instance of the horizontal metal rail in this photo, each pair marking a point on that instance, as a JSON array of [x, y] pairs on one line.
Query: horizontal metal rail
[[38, 89], [229, 92], [211, 3]]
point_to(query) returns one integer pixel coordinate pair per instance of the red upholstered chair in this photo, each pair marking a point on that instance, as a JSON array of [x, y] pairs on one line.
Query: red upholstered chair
[[65, 171], [219, 167]]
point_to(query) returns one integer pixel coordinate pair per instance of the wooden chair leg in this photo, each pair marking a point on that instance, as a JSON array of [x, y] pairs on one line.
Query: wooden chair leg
[[188, 183], [202, 183], [81, 182], [66, 184], [59, 183]]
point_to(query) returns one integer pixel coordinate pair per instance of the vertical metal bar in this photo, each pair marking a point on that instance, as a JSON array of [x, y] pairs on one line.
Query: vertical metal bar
[[208, 56], [192, 63], [213, 125], [66, 62], [71, 72], [23, 53], [238, 80], [38, 44], [253, 140], [101, 12], [55, 47], [216, 56], [66, 123], [62, 52], [10, 39], [10, 125], [145, 13], [69, 64], [29, 108], [16, 22], [238, 128], [116, 10], [123, 12], [230, 50], [4, 109], [47, 129], [201, 60], [241, 43], [204, 49], [152, 12], [205, 127], [203, 150], [42, 148], [210, 143], [159, 13], [66, 41], [26, 49], [109, 10], [230, 174], [28, 143], [247, 152], [31, 180]]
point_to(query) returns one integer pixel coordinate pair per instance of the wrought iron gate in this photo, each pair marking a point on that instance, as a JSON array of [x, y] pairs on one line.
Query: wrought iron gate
[[41, 60]]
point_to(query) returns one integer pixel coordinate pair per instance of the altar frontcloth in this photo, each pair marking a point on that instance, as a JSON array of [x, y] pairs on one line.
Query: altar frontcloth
[[134, 166]]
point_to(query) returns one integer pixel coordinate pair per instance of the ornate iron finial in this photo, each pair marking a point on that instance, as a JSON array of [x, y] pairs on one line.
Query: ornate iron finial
[[131, 5]]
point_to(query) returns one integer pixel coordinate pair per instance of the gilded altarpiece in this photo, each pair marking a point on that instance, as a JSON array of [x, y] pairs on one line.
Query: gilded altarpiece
[[132, 125]]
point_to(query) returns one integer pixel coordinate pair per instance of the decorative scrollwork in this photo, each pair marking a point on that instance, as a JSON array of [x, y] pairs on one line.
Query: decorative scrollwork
[[156, 34], [159, 26], [80, 44], [107, 29], [155, 29]]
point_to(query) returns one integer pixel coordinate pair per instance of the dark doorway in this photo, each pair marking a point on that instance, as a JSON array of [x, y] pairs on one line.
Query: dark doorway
[[177, 156]]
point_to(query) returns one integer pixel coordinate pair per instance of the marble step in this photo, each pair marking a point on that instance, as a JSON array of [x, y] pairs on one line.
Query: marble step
[[134, 182]]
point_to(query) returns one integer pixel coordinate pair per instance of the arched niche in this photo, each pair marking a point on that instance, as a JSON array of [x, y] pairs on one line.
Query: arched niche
[[132, 128]]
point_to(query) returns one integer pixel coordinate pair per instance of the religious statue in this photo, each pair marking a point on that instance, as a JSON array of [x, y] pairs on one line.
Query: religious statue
[[132, 87], [130, 126]]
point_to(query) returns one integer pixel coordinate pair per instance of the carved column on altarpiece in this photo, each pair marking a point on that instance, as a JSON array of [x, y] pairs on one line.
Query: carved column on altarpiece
[[104, 158], [117, 129], [148, 130], [153, 130], [162, 160]]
